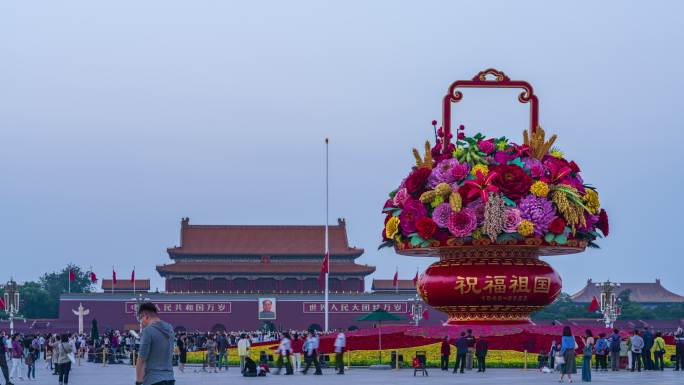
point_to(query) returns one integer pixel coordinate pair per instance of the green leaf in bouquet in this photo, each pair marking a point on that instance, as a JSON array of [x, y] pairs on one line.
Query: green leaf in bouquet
[[507, 201], [416, 240], [517, 162], [549, 237], [389, 243], [396, 212], [561, 239], [425, 244]]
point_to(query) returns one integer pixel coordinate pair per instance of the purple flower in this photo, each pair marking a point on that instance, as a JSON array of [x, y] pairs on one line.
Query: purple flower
[[462, 223], [513, 218], [486, 146], [591, 222], [478, 208], [502, 157], [442, 173], [535, 166], [539, 211], [460, 171], [400, 197], [413, 210], [441, 215]]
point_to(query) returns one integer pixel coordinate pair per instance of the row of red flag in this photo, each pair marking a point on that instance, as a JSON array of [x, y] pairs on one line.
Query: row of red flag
[[93, 276], [325, 269]]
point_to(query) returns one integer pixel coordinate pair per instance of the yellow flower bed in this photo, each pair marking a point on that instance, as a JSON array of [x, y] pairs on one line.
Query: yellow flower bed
[[495, 358]]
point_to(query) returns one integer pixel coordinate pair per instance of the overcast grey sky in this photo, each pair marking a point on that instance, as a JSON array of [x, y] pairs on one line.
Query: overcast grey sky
[[117, 118]]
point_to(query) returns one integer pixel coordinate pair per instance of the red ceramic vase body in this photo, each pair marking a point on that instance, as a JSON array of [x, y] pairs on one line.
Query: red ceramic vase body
[[489, 285]]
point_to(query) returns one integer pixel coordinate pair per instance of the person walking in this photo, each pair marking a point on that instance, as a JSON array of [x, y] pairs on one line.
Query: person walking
[[567, 350], [63, 349], [297, 343], [155, 356], [648, 338], [481, 354], [284, 351], [243, 350], [637, 348], [658, 352], [461, 352], [3, 358], [340, 344], [586, 356], [211, 346], [30, 362], [445, 351], [602, 352], [311, 351], [628, 345], [222, 345], [553, 352], [181, 343], [470, 354], [679, 349], [17, 357]]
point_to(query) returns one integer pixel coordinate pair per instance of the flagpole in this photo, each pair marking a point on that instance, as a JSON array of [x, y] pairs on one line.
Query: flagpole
[[69, 280], [327, 268], [113, 278], [133, 276]]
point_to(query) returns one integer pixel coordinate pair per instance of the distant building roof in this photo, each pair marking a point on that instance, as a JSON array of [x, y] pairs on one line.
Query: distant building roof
[[238, 268], [387, 285], [646, 292], [269, 240], [126, 285]]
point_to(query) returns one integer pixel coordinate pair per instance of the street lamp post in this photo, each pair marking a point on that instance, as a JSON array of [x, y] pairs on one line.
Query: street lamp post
[[609, 304], [12, 303], [139, 299], [416, 309]]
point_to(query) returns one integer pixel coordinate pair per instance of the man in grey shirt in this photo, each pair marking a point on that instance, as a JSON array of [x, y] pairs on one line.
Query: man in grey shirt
[[154, 366]]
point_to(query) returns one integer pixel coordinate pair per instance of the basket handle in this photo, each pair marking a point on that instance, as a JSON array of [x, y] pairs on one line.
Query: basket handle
[[480, 81]]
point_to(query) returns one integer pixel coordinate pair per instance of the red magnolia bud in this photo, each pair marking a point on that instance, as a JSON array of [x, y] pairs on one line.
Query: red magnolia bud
[[434, 122], [439, 132], [461, 127], [461, 136]]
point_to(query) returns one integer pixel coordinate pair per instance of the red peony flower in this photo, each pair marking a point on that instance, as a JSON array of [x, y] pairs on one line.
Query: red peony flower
[[426, 227], [461, 136], [434, 122], [415, 182], [511, 181], [602, 223], [557, 226], [486, 146]]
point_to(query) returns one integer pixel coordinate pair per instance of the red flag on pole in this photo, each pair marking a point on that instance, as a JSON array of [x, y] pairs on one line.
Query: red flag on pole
[[594, 305], [415, 279], [2, 304], [113, 278], [93, 277], [426, 314], [324, 271], [133, 276], [395, 281], [72, 276]]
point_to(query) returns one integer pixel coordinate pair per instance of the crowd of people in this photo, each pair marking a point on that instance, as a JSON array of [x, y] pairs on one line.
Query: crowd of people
[[298, 351], [642, 349]]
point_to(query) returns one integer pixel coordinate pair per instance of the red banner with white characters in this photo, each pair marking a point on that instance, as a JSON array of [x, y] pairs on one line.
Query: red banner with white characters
[[187, 307]]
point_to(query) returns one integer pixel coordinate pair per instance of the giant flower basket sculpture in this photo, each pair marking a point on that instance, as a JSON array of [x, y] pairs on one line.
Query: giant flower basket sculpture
[[489, 208]]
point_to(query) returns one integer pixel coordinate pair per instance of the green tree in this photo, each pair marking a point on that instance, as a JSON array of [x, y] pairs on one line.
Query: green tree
[[56, 283], [36, 302]]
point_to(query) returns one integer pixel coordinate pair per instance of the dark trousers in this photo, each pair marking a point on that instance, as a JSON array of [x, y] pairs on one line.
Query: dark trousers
[[339, 362], [646, 358], [460, 361], [168, 382], [481, 366], [658, 363], [636, 361], [288, 363], [679, 357], [445, 362], [3, 366], [64, 370], [312, 358], [31, 371], [601, 361], [615, 360]]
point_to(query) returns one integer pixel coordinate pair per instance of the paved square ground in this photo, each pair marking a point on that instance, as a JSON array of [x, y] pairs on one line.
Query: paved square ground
[[89, 374]]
